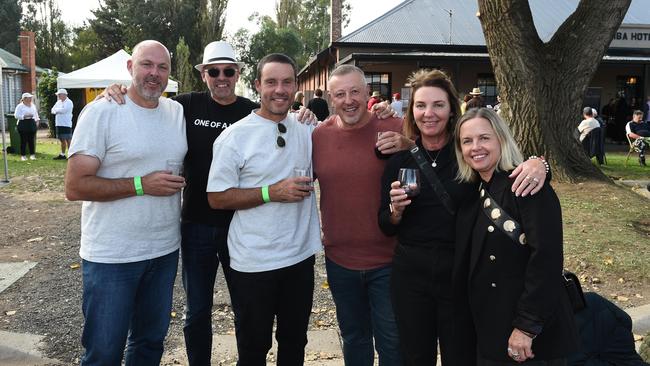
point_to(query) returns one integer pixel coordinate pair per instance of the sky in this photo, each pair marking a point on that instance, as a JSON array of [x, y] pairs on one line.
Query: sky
[[363, 11]]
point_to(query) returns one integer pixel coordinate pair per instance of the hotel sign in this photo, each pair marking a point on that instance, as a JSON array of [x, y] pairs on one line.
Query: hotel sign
[[632, 36]]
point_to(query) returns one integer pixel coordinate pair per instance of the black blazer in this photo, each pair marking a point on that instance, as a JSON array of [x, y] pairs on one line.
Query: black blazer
[[512, 285]]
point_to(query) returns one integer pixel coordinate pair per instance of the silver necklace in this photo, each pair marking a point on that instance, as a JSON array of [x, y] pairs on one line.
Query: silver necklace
[[433, 161]]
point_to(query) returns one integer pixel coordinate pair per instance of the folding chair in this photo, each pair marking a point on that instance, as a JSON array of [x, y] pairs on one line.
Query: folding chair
[[629, 141]]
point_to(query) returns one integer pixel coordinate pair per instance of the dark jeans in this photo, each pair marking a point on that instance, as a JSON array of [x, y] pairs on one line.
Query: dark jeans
[[259, 298], [202, 248], [127, 303], [364, 311], [421, 296], [27, 138], [533, 362]]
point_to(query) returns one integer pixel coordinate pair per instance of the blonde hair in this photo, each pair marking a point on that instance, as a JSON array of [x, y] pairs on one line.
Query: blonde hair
[[438, 79], [299, 97], [510, 153]]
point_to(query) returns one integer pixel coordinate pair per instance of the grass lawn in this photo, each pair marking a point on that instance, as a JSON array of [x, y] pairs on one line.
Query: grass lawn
[[616, 168], [42, 174]]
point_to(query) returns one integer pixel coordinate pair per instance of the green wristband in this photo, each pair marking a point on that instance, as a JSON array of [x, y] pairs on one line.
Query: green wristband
[[265, 194], [137, 182]]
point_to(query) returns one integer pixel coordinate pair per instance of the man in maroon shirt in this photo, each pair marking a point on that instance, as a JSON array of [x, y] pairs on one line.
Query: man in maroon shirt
[[348, 160]]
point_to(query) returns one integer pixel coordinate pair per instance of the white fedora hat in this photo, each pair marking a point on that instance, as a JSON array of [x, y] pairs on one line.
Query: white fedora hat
[[61, 91], [218, 52]]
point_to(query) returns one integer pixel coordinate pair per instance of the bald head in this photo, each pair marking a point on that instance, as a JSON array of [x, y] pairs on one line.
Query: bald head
[[149, 67]]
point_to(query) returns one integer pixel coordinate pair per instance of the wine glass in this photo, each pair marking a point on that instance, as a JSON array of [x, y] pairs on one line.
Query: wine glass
[[409, 180]]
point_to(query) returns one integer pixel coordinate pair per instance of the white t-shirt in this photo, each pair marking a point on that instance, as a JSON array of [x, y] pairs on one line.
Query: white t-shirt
[[129, 141], [398, 106], [22, 110], [586, 126], [273, 235], [62, 113]]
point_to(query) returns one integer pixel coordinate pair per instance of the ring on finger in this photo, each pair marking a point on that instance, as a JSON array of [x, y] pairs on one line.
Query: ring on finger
[[535, 180], [527, 177]]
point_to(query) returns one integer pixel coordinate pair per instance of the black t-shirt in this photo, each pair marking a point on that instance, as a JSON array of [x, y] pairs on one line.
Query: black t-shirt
[[205, 119], [641, 129], [319, 107]]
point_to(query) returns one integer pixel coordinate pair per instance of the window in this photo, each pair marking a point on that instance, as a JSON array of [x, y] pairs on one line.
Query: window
[[630, 86], [379, 82], [489, 88]]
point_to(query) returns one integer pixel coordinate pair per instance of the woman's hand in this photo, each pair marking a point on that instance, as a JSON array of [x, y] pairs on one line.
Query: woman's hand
[[520, 346], [530, 176], [398, 202], [383, 110]]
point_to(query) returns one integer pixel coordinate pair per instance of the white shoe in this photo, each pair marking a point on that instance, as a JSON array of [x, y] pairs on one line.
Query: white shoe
[[32, 157], [23, 158]]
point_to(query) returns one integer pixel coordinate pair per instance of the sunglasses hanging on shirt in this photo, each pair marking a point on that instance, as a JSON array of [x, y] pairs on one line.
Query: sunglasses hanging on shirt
[[280, 140], [214, 73]]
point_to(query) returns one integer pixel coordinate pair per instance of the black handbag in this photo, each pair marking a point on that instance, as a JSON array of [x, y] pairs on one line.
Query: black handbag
[[514, 231], [574, 290]]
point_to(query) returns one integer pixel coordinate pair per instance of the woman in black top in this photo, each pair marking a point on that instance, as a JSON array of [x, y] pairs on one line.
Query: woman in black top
[[509, 253], [422, 267]]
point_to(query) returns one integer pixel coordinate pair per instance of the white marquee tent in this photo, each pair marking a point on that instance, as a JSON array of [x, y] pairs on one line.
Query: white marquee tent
[[103, 73]]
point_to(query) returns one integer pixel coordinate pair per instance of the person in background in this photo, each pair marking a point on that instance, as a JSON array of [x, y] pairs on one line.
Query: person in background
[[509, 252], [319, 106], [398, 105], [297, 101], [587, 124], [62, 111], [374, 99], [421, 279], [638, 132], [27, 115], [477, 100], [497, 107]]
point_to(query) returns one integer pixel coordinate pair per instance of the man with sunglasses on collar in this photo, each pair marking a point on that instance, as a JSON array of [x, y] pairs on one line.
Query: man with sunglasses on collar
[[260, 169]]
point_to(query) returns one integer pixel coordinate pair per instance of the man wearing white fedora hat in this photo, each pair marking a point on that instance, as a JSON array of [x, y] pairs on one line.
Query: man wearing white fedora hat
[[62, 111]]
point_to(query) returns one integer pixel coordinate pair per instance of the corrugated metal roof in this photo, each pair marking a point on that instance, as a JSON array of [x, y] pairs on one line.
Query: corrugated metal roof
[[12, 61], [427, 22]]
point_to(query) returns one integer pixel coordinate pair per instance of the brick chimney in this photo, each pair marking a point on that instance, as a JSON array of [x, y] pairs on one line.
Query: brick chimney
[[335, 21], [28, 58]]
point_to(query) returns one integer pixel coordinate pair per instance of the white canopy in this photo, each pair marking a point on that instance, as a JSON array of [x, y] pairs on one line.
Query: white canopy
[[103, 73]]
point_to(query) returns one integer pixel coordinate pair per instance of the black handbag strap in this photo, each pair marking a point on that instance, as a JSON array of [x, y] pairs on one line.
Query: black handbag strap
[[500, 217], [433, 179]]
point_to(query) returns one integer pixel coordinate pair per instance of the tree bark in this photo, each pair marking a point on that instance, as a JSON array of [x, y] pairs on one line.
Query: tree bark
[[542, 85]]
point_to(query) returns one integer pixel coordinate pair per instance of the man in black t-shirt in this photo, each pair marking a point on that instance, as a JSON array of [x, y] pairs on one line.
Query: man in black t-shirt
[[318, 105], [638, 131]]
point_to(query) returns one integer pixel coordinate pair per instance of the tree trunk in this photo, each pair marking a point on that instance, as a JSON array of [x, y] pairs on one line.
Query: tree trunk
[[542, 84]]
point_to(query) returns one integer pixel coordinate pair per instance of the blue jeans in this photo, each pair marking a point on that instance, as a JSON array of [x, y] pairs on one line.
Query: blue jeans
[[364, 310], [202, 248], [127, 303]]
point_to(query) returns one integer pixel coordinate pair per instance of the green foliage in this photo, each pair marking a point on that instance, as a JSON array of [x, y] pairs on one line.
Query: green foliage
[[46, 89], [10, 16], [85, 49], [183, 67], [121, 23], [301, 30], [52, 35], [269, 39]]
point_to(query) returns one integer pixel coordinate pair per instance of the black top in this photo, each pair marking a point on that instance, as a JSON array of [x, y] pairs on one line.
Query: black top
[[425, 222], [510, 284], [319, 107], [296, 106], [204, 121], [641, 129]]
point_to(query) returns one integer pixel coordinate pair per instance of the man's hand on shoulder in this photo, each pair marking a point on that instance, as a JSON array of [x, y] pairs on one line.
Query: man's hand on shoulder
[[114, 92], [383, 110]]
